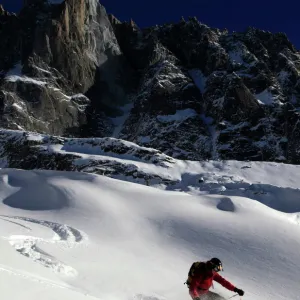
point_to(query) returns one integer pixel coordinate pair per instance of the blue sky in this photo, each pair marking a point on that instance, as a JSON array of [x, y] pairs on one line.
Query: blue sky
[[235, 15]]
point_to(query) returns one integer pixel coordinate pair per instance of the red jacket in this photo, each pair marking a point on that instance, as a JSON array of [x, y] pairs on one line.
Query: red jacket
[[201, 283]]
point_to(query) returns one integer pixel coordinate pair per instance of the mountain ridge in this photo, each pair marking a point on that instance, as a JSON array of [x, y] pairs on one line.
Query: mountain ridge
[[188, 90]]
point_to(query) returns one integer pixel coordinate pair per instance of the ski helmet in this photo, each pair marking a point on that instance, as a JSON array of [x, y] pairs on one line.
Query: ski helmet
[[216, 264]]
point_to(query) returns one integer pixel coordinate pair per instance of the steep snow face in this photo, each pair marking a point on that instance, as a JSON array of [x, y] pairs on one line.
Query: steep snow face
[[82, 236], [199, 79]]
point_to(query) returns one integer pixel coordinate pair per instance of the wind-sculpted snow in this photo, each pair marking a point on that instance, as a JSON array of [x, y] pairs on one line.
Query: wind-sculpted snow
[[37, 202], [63, 232], [119, 240], [32, 247], [283, 199]]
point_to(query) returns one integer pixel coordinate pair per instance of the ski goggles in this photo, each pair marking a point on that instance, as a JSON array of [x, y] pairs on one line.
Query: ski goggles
[[218, 268]]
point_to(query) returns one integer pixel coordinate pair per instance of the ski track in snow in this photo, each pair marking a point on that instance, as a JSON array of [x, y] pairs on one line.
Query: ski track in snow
[[143, 238], [65, 236], [43, 281]]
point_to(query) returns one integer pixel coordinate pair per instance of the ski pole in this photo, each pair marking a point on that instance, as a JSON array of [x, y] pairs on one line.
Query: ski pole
[[233, 296]]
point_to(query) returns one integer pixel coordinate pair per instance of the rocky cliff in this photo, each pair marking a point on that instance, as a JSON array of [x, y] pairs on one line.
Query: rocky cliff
[[208, 94], [185, 89], [63, 69]]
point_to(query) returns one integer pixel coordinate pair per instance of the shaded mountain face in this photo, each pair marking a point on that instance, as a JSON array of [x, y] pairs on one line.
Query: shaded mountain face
[[63, 68], [188, 90]]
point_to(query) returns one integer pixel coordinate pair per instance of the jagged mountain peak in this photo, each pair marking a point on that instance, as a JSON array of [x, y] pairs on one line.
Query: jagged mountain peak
[[233, 84], [3, 12]]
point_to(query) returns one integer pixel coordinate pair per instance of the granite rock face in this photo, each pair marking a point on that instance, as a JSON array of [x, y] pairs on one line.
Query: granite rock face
[[60, 53]]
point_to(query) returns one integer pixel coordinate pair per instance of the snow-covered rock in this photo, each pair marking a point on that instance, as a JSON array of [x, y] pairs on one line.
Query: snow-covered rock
[[105, 156]]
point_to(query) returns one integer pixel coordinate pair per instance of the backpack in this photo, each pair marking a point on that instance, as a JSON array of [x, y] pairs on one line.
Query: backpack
[[196, 268]]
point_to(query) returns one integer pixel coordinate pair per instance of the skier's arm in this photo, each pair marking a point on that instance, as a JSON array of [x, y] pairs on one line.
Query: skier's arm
[[218, 278]]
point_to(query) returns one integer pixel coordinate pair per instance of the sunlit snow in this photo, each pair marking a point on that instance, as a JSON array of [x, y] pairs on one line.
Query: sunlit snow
[[68, 235]]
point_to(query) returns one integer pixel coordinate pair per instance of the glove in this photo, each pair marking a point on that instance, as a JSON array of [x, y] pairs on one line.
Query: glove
[[240, 292]]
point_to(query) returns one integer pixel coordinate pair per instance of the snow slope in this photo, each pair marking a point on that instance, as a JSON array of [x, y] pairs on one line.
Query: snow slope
[[71, 235]]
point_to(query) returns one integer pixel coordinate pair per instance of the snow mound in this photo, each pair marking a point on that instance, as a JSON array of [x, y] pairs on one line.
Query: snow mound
[[226, 204], [19, 192]]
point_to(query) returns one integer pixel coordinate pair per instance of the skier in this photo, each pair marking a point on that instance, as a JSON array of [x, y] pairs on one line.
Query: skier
[[201, 276]]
